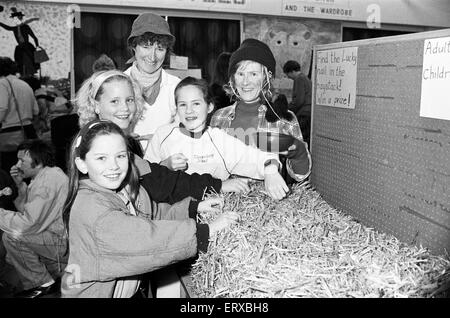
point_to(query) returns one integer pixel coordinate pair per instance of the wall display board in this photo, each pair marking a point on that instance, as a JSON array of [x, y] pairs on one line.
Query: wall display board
[[386, 159]]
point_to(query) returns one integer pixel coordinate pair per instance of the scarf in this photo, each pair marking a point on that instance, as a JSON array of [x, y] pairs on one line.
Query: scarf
[[149, 84]]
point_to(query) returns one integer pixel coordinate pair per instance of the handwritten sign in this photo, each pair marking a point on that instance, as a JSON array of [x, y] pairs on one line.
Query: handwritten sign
[[435, 99], [336, 77]]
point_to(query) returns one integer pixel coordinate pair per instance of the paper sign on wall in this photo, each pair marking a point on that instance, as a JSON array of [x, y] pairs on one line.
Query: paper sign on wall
[[336, 77], [435, 99]]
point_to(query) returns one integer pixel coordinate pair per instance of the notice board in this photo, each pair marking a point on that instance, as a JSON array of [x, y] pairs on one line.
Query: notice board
[[385, 159]]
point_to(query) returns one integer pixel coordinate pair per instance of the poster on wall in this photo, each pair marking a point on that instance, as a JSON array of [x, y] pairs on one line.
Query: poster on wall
[[336, 77], [434, 101]]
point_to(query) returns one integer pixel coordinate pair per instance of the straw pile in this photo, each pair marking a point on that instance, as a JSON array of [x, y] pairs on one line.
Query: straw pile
[[302, 247]]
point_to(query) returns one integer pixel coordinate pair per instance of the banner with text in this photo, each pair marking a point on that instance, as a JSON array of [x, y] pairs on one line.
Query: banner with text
[[435, 99], [336, 77], [318, 8]]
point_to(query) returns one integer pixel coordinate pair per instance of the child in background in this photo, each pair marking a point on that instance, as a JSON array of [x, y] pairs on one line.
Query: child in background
[[195, 148], [116, 232]]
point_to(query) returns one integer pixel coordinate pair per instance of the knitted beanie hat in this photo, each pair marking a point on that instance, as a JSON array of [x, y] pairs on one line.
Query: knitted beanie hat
[[253, 50]]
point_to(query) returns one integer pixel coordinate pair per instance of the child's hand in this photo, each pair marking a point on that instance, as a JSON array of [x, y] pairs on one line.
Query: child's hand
[[275, 185], [176, 162], [235, 185], [7, 191], [211, 205], [222, 222]]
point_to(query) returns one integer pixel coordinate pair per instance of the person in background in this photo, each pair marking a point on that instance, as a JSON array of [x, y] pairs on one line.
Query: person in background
[[219, 79], [34, 235], [60, 118], [40, 122], [151, 42], [301, 97], [251, 69], [103, 63], [192, 146], [18, 108], [52, 104], [116, 231]]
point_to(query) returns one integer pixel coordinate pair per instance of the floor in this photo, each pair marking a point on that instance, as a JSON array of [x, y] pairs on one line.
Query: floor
[[10, 283]]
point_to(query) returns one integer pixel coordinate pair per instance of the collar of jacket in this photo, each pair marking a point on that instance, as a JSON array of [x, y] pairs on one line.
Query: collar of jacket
[[88, 184], [142, 165], [114, 198], [195, 135]]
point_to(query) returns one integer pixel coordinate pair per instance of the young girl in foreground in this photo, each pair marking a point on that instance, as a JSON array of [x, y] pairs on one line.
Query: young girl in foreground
[[196, 148], [116, 232]]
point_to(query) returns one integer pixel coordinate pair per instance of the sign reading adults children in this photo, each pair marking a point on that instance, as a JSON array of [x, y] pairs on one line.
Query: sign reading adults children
[[435, 101], [336, 77]]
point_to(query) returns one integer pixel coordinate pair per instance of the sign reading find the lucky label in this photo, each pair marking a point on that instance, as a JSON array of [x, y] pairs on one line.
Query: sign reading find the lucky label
[[336, 77]]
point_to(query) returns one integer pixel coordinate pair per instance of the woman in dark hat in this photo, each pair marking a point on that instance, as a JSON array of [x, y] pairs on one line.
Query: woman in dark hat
[[24, 52], [150, 42], [250, 72]]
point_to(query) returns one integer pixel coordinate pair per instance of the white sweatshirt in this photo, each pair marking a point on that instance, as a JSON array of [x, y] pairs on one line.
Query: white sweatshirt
[[215, 152]]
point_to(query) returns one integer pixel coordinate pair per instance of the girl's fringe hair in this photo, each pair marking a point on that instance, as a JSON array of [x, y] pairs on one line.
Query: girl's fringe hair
[[89, 92]]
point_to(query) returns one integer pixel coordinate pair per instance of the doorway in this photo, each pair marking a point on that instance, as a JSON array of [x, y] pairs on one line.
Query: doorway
[[201, 40]]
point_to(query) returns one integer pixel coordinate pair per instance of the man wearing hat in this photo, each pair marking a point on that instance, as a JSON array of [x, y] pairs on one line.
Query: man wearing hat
[[150, 41], [250, 72]]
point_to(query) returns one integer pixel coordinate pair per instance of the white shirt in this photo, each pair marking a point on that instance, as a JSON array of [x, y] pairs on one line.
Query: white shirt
[[163, 111], [215, 152]]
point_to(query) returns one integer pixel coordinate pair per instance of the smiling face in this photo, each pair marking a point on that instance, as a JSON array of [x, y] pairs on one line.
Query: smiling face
[[106, 163], [248, 80], [116, 103], [192, 108], [149, 56]]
